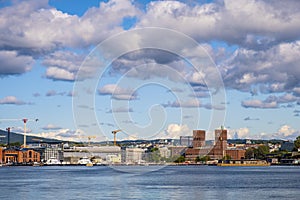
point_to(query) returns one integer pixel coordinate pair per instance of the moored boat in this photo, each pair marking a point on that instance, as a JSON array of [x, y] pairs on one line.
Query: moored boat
[[244, 163]]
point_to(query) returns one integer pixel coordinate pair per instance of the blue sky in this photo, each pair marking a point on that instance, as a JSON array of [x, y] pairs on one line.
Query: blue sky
[[242, 73]]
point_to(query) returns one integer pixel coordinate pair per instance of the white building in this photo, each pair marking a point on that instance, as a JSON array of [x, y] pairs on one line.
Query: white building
[[97, 153], [134, 155]]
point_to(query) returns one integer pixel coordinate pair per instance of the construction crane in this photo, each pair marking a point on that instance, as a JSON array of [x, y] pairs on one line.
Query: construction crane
[[88, 137], [115, 133], [25, 120], [91, 137]]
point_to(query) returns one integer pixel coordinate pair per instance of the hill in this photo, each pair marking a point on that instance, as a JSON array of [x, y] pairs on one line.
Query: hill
[[16, 137]]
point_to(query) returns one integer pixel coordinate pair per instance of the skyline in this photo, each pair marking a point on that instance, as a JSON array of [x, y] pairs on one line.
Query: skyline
[[243, 72]]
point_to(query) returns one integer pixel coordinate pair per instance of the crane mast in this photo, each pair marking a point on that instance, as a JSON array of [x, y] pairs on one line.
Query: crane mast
[[115, 133]]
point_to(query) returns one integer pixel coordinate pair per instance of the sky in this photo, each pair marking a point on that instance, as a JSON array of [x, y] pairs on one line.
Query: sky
[[154, 69]]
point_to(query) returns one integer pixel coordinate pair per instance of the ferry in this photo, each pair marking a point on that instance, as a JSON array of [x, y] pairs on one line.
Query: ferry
[[85, 161], [53, 161], [243, 163]]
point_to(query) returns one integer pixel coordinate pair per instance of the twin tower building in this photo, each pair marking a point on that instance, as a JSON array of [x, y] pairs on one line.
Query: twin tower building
[[218, 150]]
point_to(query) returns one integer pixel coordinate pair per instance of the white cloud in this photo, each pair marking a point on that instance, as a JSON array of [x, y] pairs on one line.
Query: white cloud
[[285, 132], [174, 131], [60, 74], [118, 92], [256, 103], [271, 101], [266, 20], [11, 100], [275, 69], [62, 134], [12, 63]]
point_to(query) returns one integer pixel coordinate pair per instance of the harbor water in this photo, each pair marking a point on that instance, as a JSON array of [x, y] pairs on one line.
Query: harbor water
[[148, 182]]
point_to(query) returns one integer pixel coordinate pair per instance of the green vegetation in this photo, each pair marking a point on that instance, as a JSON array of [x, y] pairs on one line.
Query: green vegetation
[[257, 153], [297, 142], [180, 159], [227, 157], [203, 159]]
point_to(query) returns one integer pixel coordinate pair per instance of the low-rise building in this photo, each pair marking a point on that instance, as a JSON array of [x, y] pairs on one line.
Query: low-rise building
[[134, 155], [1, 155], [236, 154], [20, 156], [96, 153]]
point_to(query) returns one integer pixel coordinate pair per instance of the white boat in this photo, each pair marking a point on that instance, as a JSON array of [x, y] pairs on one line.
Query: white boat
[[84, 161], [53, 161]]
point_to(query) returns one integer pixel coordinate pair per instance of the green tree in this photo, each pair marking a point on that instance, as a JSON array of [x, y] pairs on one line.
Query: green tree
[[205, 158], [227, 157], [297, 142], [249, 153], [261, 152], [180, 159]]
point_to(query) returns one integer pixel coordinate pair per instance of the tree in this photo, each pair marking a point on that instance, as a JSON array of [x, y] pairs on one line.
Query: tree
[[257, 153], [227, 157], [197, 159], [249, 153], [180, 159], [261, 152], [297, 142]]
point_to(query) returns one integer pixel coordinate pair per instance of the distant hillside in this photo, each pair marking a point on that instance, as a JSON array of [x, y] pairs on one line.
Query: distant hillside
[[16, 137]]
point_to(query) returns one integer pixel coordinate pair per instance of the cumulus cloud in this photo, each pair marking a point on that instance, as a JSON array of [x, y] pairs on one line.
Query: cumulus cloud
[[63, 65], [62, 134], [256, 103], [285, 132], [12, 100], [274, 70], [241, 133], [271, 101], [225, 20], [174, 131], [118, 92], [37, 29], [12, 63]]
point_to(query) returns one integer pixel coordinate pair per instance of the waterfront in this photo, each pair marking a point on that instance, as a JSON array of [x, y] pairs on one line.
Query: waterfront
[[171, 182]]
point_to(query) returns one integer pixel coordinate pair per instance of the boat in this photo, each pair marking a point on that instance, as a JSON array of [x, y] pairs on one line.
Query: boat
[[53, 161], [84, 161], [89, 164], [243, 163], [37, 164]]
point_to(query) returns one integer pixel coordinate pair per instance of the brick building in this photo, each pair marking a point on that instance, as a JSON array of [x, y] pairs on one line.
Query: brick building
[[198, 142], [20, 156], [219, 149], [1, 155], [236, 154], [198, 138]]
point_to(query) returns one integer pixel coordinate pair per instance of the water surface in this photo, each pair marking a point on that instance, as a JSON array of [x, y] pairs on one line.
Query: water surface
[[144, 182]]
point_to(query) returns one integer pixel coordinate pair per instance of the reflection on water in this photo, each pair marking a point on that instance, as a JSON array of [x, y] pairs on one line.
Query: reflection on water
[[171, 182]]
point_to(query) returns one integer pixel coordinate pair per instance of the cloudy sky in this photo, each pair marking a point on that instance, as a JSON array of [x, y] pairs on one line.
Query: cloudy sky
[[155, 69]]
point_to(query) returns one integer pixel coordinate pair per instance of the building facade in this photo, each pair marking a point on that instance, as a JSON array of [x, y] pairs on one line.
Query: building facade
[[219, 149], [198, 138], [20, 156], [1, 155]]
